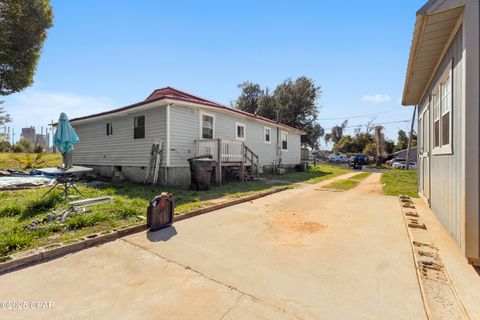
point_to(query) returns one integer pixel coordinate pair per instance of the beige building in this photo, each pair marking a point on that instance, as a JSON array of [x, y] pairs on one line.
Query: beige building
[[443, 81]]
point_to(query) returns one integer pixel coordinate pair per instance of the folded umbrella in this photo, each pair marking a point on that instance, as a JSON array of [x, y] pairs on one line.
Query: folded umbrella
[[64, 139]]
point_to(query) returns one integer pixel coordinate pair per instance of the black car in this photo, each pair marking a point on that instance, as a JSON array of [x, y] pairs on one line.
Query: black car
[[358, 160]]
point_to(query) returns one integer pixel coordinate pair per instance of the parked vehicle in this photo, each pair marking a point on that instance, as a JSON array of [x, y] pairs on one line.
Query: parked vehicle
[[392, 161], [358, 160], [337, 158], [403, 165]]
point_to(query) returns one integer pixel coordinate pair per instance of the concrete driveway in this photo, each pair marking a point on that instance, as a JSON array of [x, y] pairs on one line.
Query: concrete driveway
[[305, 253]]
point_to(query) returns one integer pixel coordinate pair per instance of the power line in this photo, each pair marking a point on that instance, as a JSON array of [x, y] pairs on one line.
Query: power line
[[373, 124], [359, 116]]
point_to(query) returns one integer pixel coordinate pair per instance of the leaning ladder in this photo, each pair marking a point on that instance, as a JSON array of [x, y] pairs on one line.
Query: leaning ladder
[[155, 162]]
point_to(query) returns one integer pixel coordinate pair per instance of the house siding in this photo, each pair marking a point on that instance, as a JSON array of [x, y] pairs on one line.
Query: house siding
[[445, 170], [119, 149], [185, 129]]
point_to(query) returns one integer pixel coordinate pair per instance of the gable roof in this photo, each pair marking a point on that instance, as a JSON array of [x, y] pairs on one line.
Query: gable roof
[[169, 93]]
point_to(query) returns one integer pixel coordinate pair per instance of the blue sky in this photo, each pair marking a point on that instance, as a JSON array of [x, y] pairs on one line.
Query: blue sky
[[105, 54]]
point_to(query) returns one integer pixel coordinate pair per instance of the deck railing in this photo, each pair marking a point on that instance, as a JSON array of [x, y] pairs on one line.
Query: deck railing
[[230, 150], [228, 153]]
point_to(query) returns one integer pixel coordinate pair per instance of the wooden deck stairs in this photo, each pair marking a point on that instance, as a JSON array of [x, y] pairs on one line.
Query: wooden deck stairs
[[233, 159]]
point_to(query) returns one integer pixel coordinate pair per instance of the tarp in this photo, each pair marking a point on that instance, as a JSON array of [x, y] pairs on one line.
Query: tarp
[[65, 136], [23, 182]]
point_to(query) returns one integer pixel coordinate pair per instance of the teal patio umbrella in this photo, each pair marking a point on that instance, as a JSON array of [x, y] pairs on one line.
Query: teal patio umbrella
[[64, 139]]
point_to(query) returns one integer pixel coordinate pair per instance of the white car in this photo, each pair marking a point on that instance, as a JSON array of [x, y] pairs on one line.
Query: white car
[[403, 165], [337, 158]]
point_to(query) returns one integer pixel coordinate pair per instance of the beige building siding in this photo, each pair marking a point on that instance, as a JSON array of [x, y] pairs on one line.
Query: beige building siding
[[119, 149], [185, 129], [445, 170]]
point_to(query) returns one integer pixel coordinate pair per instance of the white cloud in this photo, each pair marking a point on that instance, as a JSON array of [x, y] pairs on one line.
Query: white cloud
[[377, 98], [38, 108]]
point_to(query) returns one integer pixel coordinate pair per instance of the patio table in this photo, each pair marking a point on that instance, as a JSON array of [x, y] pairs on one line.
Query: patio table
[[64, 178]]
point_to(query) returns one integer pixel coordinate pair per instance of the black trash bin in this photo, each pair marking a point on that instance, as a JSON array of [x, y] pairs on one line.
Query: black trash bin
[[160, 212], [201, 172]]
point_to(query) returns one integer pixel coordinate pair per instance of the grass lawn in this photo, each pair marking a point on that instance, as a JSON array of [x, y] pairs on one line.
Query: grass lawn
[[346, 184], [396, 182], [26, 161], [19, 208], [314, 174]]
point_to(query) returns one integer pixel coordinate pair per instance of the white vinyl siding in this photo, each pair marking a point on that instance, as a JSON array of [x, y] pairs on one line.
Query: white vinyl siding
[[185, 128], [119, 149]]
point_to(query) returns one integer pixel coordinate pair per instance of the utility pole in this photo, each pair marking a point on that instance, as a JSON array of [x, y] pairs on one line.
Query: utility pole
[[410, 138]]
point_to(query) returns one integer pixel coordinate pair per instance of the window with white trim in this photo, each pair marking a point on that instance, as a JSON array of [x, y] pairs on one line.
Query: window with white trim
[[240, 131], [284, 140], [446, 106], [442, 116], [207, 126], [267, 135]]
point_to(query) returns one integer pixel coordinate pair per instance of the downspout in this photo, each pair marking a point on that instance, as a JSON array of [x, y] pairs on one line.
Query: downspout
[[168, 145]]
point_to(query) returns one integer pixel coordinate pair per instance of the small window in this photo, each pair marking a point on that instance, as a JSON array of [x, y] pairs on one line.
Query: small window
[[240, 131], [268, 135], [284, 141], [109, 128], [139, 127], [446, 89], [442, 116], [207, 126]]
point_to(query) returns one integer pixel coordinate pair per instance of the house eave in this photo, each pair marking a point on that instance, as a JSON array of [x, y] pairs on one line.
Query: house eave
[[433, 33]]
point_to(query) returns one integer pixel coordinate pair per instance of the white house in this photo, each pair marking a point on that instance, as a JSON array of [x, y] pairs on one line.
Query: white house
[[121, 139], [443, 81]]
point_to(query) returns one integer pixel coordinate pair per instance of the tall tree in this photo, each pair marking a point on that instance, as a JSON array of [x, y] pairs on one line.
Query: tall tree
[[402, 140], [293, 102], [249, 97], [380, 143], [23, 25], [337, 131]]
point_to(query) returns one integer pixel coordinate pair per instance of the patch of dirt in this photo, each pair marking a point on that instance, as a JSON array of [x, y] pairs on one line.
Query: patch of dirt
[[370, 185], [288, 229], [303, 227]]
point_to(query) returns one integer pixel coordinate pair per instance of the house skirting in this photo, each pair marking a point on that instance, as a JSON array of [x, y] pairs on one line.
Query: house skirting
[[176, 176], [179, 176]]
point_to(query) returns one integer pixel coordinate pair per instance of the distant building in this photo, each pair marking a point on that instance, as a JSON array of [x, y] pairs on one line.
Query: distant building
[[402, 154], [29, 134]]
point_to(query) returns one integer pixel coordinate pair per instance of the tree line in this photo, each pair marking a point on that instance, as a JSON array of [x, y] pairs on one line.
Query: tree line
[[292, 102]]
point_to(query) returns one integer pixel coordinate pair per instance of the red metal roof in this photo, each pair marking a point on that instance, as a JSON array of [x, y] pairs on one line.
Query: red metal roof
[[174, 94]]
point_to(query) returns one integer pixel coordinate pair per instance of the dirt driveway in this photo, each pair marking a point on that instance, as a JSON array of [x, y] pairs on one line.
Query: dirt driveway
[[305, 253]]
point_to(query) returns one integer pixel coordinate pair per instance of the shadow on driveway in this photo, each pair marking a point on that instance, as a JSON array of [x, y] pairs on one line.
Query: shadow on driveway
[[162, 235]]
